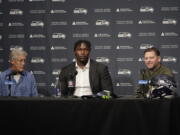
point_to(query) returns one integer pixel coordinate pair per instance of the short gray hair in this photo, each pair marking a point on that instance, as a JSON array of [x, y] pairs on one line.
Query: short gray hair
[[15, 52]]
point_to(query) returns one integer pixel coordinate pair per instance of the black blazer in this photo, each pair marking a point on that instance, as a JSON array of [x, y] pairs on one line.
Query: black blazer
[[99, 77]]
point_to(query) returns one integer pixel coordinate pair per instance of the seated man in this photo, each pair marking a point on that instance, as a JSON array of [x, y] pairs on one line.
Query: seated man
[[85, 77], [15, 81], [154, 69]]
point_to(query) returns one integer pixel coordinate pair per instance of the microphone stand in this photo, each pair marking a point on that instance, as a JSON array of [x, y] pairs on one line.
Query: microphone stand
[[143, 87], [71, 83], [9, 85]]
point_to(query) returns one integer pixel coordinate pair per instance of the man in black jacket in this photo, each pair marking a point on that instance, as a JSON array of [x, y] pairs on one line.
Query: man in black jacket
[[84, 77]]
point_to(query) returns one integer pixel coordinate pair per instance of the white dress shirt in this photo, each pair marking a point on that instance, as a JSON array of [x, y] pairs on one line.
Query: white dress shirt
[[82, 81]]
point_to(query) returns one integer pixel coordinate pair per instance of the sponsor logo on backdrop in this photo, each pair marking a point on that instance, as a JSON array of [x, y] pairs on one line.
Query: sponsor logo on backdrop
[[124, 10], [53, 84], [102, 35], [16, 36], [124, 35], [56, 60], [169, 34], [56, 71], [145, 46], [1, 37], [37, 48], [79, 23], [169, 59], [141, 59], [56, 23], [102, 23], [80, 11], [169, 8], [16, 12], [36, 0], [146, 22], [77, 35], [145, 9], [58, 11], [15, 0], [37, 60], [15, 24], [39, 72], [147, 34], [37, 23], [1, 24], [124, 47], [41, 84], [124, 22], [58, 1], [124, 59], [37, 36], [103, 47], [169, 21], [123, 84], [102, 59], [124, 72], [58, 35], [169, 46], [58, 48], [102, 10], [15, 46], [39, 11]]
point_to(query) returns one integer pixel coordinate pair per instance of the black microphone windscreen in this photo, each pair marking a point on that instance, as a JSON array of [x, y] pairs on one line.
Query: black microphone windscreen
[[142, 71]]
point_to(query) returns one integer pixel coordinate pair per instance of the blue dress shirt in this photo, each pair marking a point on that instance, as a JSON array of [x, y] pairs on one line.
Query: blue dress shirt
[[25, 87]]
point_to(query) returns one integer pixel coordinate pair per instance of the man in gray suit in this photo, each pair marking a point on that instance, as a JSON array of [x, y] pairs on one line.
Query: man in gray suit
[[84, 77]]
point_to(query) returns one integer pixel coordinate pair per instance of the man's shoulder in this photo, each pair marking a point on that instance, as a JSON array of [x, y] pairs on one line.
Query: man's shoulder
[[97, 64], [68, 67], [5, 72], [165, 69], [27, 73]]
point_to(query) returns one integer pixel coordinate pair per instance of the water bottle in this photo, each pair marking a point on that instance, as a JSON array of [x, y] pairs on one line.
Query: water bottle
[[57, 87]]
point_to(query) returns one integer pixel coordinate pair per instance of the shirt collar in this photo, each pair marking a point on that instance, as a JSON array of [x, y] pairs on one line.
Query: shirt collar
[[156, 69], [10, 71], [86, 66]]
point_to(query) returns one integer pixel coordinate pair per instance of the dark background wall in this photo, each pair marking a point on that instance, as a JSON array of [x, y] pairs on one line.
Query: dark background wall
[[119, 31]]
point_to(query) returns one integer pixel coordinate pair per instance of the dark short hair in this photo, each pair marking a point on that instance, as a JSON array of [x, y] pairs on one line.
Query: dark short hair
[[79, 42], [153, 49]]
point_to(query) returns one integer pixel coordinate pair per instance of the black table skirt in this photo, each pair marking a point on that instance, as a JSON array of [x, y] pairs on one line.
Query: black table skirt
[[127, 116]]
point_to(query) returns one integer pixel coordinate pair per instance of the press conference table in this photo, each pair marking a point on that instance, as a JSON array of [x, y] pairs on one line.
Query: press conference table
[[124, 116]]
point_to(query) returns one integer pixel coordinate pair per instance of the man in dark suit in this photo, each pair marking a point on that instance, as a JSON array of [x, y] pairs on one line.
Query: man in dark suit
[[84, 77]]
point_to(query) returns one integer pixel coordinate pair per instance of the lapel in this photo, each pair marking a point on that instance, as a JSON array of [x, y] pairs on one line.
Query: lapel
[[92, 73], [72, 70]]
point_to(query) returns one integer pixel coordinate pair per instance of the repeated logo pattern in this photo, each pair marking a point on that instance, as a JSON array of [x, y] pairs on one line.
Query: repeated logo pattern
[[119, 32]]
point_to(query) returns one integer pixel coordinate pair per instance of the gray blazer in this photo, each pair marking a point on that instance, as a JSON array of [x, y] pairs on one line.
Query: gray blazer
[[99, 77]]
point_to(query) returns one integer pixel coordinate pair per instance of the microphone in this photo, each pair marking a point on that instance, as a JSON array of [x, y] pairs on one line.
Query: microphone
[[143, 81], [142, 72], [9, 82], [71, 83], [71, 79], [143, 84]]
